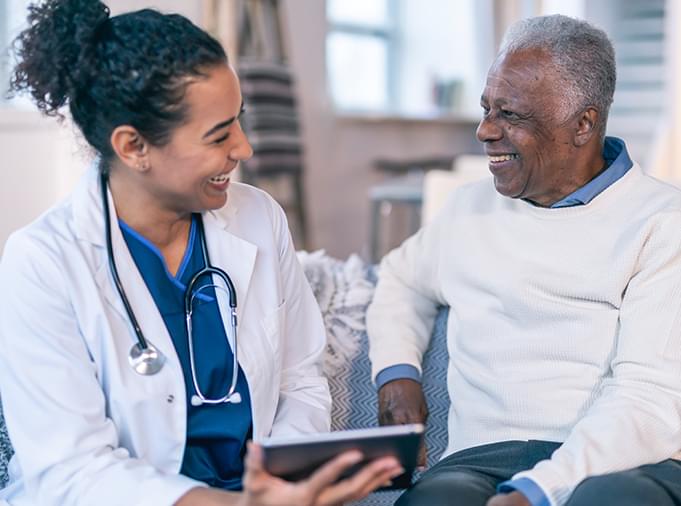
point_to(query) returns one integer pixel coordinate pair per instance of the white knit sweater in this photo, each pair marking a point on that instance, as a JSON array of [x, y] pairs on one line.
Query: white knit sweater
[[565, 324]]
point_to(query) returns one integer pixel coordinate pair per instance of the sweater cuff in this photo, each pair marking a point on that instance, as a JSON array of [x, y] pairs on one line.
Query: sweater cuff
[[395, 372], [526, 486]]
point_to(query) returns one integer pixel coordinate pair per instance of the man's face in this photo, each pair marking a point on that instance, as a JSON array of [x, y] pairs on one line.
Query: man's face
[[528, 141]]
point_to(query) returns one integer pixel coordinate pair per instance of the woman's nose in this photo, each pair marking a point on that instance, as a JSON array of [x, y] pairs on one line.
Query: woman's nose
[[242, 149]]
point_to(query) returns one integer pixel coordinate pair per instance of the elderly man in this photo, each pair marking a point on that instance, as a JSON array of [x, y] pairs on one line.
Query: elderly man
[[564, 288]]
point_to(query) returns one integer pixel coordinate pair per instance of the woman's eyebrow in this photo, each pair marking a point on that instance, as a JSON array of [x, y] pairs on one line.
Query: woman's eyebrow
[[223, 124]]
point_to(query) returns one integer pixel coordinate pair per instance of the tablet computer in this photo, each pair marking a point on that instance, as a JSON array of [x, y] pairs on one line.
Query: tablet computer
[[296, 458]]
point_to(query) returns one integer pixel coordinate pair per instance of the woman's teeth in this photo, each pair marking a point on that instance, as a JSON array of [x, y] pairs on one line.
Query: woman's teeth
[[219, 179], [502, 158]]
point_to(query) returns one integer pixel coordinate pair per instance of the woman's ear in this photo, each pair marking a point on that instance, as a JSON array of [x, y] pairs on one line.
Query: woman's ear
[[130, 147], [586, 126]]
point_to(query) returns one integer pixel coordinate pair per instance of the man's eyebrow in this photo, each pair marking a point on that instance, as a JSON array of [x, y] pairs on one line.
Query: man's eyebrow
[[223, 124]]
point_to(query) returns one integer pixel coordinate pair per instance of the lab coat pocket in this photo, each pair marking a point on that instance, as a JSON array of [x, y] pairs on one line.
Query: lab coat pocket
[[273, 325]]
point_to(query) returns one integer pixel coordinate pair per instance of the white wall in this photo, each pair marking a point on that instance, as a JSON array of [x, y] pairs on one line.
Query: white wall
[[190, 8], [42, 159], [40, 163]]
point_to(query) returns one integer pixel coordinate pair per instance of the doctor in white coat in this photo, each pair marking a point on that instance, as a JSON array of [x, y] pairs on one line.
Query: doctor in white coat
[[98, 411]]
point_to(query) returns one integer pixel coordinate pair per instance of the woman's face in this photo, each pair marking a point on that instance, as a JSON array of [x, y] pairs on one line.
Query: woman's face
[[191, 172]]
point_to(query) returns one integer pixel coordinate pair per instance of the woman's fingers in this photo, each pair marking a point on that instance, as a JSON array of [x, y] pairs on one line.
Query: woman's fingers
[[321, 488], [331, 471], [254, 457], [255, 477], [375, 474]]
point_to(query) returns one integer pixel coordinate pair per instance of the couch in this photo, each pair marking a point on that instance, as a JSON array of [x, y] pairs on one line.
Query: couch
[[344, 290]]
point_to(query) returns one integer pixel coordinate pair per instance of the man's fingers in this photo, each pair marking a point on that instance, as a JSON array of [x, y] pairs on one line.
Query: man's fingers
[[512, 499], [422, 456], [401, 401]]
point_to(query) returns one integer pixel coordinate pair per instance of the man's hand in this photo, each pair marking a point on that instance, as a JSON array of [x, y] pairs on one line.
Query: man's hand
[[512, 499], [400, 402]]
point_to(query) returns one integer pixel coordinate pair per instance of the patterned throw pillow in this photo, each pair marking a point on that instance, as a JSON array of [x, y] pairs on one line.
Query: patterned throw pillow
[[5, 450], [344, 290]]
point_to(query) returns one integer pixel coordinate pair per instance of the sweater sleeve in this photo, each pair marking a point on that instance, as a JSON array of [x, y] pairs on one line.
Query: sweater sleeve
[[636, 417], [401, 316]]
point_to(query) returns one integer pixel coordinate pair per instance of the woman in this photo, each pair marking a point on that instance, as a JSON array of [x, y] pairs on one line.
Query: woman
[[119, 371]]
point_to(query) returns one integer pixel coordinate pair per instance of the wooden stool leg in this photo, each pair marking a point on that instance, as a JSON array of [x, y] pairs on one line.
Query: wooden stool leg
[[375, 231]]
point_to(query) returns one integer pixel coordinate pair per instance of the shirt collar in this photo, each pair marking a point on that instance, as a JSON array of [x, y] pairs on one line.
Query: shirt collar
[[617, 162]]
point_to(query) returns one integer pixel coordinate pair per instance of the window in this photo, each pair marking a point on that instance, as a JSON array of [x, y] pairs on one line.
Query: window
[[399, 58], [360, 47]]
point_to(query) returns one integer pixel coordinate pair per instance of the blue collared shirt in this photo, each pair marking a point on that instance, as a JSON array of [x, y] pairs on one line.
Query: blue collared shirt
[[618, 163], [216, 434]]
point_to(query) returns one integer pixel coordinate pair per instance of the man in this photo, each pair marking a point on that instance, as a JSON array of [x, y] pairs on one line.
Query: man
[[564, 287]]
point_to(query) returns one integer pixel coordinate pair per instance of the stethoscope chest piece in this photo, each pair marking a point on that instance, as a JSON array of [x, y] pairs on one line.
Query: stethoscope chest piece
[[145, 361]]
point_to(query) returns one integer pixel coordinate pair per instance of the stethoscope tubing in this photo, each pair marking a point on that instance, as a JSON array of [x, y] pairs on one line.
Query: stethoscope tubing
[[189, 295], [144, 357], [141, 340]]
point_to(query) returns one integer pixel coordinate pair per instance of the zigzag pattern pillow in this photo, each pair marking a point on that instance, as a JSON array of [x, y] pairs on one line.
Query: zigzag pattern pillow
[[344, 290]]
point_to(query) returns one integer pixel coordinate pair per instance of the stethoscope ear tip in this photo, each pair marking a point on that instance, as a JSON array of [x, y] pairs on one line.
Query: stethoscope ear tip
[[234, 398]]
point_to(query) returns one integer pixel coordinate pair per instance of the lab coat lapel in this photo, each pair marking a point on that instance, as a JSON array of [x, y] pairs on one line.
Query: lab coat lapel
[[89, 222], [232, 254], [88, 214]]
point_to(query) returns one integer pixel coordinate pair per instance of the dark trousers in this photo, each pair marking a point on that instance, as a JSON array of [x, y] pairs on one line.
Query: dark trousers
[[470, 478]]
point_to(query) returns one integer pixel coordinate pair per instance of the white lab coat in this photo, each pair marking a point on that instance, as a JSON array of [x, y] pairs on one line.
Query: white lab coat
[[87, 429]]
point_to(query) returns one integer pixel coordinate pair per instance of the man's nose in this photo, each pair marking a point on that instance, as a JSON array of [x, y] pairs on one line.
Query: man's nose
[[488, 130]]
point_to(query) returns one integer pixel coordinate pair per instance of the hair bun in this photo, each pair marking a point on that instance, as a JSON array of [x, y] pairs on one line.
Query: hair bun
[[56, 52]]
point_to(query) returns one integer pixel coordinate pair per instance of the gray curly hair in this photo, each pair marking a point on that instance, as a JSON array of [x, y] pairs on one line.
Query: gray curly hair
[[582, 55]]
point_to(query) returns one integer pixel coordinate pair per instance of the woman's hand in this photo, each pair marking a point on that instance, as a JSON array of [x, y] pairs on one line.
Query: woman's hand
[[320, 489]]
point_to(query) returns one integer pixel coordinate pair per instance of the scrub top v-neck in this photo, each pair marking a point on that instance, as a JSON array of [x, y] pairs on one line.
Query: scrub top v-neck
[[216, 434]]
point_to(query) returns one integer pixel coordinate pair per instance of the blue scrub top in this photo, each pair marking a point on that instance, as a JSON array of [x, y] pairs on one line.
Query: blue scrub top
[[216, 434]]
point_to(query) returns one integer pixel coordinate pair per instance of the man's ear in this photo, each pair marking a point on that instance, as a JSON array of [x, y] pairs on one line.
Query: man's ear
[[131, 147], [587, 123]]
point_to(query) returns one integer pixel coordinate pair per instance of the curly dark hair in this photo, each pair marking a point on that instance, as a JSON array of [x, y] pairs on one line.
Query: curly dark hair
[[130, 69]]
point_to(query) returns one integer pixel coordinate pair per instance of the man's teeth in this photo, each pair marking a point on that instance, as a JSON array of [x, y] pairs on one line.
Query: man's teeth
[[219, 179], [502, 158]]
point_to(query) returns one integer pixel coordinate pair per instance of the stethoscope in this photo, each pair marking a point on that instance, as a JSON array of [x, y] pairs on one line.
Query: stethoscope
[[144, 357]]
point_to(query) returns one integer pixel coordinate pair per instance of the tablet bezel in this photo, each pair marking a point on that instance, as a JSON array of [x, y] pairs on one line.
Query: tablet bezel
[[295, 458]]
